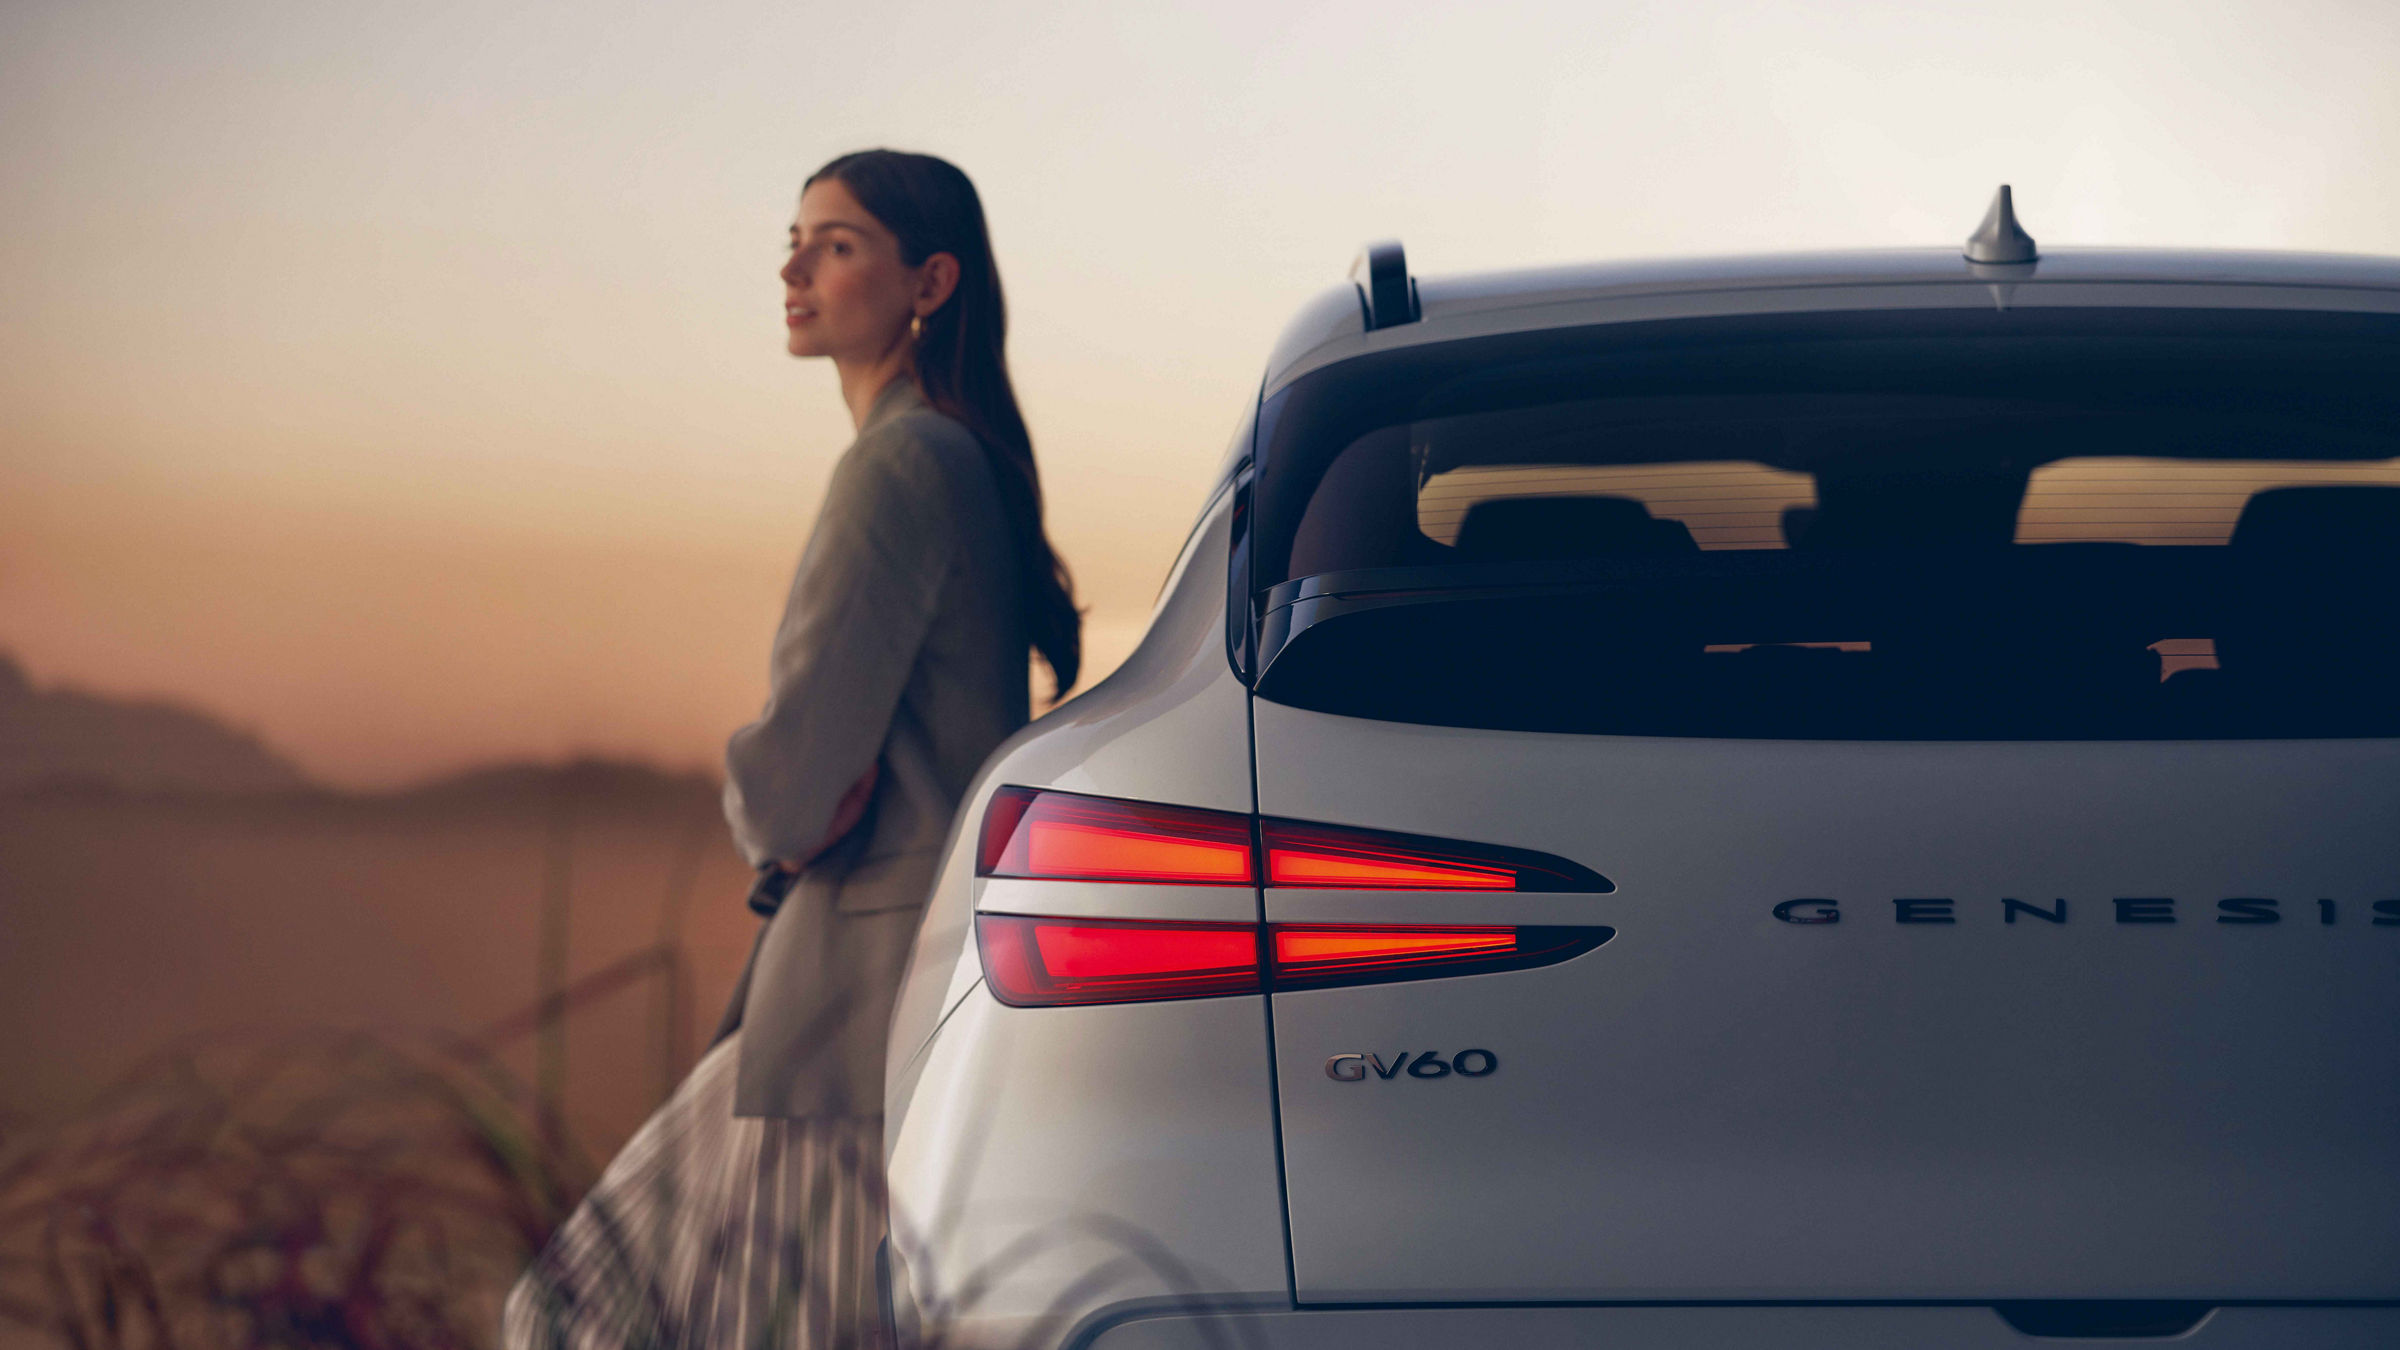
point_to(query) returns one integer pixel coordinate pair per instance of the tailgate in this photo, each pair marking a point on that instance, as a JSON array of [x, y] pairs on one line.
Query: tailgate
[[2096, 1020]]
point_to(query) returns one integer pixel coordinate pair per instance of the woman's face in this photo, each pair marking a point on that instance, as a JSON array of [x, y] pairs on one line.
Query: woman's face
[[846, 292]]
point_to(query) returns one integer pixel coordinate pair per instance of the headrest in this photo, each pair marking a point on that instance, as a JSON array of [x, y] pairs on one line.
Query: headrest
[[1549, 529], [2323, 523], [2320, 587]]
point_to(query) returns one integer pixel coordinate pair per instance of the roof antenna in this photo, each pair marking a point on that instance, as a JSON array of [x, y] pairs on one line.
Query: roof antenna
[[2001, 239]]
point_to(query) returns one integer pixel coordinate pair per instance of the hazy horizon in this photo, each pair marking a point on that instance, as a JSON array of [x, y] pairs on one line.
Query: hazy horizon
[[65, 739], [406, 386]]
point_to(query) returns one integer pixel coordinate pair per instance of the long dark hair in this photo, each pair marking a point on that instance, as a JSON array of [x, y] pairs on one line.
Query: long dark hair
[[963, 370]]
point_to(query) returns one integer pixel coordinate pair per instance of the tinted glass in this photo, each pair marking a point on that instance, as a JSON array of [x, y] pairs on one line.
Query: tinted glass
[[2060, 524]]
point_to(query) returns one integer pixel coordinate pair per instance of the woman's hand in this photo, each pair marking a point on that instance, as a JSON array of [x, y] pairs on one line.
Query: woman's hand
[[850, 810]]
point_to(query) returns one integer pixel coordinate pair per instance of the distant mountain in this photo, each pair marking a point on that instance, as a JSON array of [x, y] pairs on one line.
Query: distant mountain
[[587, 780], [65, 736]]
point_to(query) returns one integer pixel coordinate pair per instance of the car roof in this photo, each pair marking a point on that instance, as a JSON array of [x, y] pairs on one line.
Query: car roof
[[1332, 327]]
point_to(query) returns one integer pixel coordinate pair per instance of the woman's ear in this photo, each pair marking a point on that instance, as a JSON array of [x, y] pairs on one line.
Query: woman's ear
[[937, 278]]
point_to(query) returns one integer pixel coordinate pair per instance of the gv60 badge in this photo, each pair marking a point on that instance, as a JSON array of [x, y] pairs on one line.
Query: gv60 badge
[[1427, 1064]]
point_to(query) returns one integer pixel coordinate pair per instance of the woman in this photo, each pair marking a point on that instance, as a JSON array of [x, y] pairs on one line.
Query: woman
[[747, 1210]]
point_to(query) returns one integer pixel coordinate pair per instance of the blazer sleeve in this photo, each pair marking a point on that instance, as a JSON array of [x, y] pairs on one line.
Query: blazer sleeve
[[861, 603]]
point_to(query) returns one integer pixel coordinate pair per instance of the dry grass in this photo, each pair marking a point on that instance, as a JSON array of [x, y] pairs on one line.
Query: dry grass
[[314, 1188], [325, 1191]]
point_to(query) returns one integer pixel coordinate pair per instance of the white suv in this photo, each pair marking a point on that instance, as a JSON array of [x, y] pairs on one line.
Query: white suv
[[1843, 800]]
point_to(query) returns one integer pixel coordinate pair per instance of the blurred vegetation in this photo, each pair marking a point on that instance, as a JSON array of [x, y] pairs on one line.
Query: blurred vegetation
[[321, 1191], [326, 1189]]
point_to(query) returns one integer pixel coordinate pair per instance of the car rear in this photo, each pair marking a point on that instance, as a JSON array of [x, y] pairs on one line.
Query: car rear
[[1784, 815]]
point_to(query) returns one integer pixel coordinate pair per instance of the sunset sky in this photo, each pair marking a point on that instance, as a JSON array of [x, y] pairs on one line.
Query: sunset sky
[[405, 381]]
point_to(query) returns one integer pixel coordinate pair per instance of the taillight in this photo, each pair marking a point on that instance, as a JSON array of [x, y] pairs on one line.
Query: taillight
[[1340, 858], [1032, 961], [1066, 836], [1042, 963], [1321, 956]]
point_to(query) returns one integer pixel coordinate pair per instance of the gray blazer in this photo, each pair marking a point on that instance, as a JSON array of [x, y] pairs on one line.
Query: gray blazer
[[903, 642]]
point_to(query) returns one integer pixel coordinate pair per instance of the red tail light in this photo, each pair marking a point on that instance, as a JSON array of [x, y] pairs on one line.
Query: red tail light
[[1035, 962], [1338, 858], [1064, 836], [1043, 963], [1321, 956]]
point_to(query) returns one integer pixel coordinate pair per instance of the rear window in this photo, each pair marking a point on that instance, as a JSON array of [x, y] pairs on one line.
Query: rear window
[[2060, 524]]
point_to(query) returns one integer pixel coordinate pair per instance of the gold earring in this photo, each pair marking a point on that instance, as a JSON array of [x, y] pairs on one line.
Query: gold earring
[[916, 328]]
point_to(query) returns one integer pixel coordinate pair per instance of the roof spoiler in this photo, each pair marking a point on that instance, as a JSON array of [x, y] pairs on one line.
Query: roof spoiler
[[1386, 292]]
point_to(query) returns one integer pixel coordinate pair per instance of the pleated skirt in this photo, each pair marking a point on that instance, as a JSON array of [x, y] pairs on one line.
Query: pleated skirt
[[713, 1230]]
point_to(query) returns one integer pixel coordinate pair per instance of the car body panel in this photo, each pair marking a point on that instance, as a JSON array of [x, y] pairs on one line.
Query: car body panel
[[1708, 1328], [1720, 1105], [1059, 1158]]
